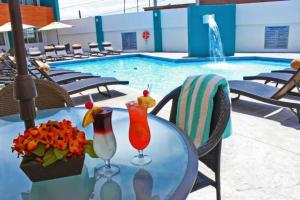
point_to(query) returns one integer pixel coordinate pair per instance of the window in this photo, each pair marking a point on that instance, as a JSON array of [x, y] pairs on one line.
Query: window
[[29, 2], [2, 40], [129, 41], [276, 37], [33, 36]]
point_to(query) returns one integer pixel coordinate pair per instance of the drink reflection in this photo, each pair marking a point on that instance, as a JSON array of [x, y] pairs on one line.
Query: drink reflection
[[106, 189], [110, 190], [143, 185]]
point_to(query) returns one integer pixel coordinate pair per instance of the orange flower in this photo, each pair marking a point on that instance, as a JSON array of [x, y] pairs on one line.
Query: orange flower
[[32, 145], [53, 134]]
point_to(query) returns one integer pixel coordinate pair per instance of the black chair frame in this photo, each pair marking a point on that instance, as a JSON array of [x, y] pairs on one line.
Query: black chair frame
[[210, 152]]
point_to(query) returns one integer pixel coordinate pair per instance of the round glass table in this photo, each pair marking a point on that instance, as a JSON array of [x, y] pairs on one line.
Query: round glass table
[[170, 175]]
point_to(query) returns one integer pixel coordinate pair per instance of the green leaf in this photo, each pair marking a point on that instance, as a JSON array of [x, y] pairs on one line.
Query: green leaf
[[156, 197], [60, 154], [39, 151], [89, 149], [54, 123], [49, 158]]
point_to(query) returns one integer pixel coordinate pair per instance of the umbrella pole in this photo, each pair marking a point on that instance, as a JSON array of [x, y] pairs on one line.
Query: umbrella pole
[[57, 36], [24, 87]]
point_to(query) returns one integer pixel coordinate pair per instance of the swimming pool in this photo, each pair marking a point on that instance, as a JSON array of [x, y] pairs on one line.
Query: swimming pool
[[166, 74]]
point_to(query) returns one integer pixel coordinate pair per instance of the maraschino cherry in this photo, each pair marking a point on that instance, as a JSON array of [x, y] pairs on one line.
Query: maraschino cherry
[[89, 105], [146, 93]]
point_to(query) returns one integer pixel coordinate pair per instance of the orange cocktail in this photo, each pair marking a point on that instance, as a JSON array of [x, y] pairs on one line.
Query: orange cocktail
[[139, 132]]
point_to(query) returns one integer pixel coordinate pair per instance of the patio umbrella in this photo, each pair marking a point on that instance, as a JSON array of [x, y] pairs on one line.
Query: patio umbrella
[[7, 27], [24, 87], [55, 26]]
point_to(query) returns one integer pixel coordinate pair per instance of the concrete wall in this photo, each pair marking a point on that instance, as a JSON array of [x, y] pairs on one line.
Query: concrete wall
[[174, 32], [251, 21], [82, 32], [114, 25]]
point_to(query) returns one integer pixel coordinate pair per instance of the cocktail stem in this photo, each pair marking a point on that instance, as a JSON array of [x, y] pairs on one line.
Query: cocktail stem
[[141, 155], [107, 163]]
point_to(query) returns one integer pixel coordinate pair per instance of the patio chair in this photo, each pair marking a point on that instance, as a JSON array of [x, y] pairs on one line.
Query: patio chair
[[78, 52], [51, 54], [95, 51], [210, 152], [108, 47], [61, 51], [50, 95], [267, 93]]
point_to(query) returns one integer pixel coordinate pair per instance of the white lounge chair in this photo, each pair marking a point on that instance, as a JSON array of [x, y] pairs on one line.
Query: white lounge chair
[[108, 47]]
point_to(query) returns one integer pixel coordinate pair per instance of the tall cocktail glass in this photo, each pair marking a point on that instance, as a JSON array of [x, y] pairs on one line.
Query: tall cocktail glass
[[139, 132], [104, 142]]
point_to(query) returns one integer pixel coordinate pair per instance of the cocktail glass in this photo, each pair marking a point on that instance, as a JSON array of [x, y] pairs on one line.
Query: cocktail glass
[[104, 142], [139, 132]]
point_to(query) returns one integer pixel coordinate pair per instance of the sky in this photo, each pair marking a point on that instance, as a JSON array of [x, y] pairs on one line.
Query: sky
[[69, 8]]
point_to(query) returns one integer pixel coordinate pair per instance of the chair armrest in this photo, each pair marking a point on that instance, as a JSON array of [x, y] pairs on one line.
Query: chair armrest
[[174, 95]]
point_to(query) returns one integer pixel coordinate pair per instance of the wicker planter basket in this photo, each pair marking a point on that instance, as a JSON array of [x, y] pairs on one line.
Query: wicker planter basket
[[36, 172]]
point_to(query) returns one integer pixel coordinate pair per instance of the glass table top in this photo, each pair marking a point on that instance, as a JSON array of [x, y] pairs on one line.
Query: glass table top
[[171, 154]]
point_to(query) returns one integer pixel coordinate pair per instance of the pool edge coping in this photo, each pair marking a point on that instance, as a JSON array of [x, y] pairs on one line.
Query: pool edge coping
[[174, 60]]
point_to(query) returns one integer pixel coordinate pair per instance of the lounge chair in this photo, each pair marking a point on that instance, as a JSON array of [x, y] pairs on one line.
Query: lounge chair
[[267, 93], [78, 52], [35, 53], [51, 54], [11, 62], [51, 71], [50, 95], [88, 83], [276, 77], [38, 71], [95, 51], [6, 77], [108, 47], [286, 70], [210, 152], [61, 51], [63, 78]]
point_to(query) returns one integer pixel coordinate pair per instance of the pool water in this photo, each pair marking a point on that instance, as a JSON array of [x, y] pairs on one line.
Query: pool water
[[166, 75]]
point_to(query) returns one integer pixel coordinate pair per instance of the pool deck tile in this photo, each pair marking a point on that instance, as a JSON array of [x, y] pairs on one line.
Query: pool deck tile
[[179, 55]]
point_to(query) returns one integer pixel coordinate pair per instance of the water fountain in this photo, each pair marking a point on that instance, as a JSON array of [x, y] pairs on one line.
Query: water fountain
[[215, 42]]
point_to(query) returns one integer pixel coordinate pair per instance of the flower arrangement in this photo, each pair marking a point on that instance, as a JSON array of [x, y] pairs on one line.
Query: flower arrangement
[[52, 141]]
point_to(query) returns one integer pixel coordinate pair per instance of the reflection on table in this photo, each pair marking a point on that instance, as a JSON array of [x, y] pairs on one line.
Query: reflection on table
[[168, 173]]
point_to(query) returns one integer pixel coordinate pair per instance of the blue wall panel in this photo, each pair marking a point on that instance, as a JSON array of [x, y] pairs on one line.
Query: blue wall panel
[[54, 4], [99, 31], [198, 43], [10, 39], [157, 31]]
